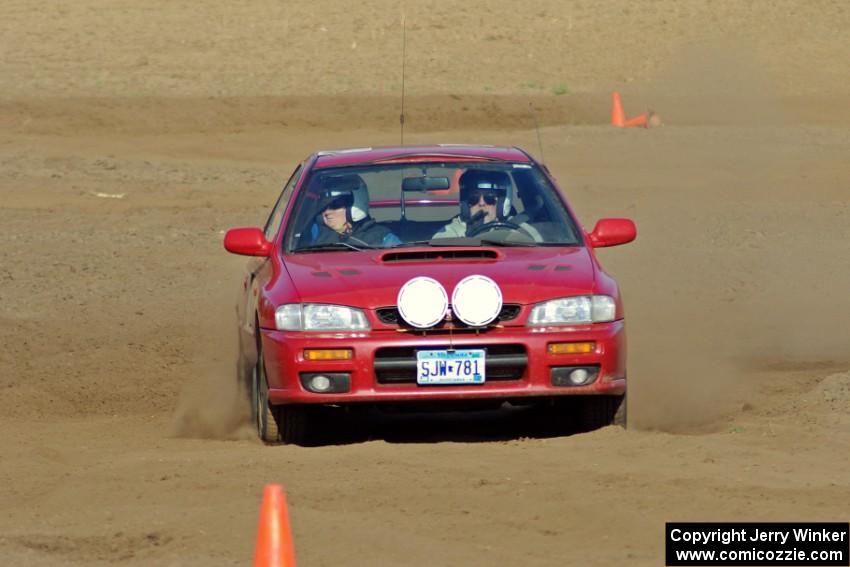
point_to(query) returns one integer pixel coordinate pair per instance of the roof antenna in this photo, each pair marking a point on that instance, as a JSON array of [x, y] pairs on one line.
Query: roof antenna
[[403, 54], [537, 129]]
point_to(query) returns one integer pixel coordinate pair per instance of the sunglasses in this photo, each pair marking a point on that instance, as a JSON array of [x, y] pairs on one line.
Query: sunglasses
[[338, 203], [489, 198]]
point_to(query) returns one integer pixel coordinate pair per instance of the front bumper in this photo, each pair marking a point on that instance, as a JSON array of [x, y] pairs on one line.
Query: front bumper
[[284, 358]]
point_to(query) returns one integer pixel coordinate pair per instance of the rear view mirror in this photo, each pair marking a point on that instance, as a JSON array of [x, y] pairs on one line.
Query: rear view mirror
[[247, 242], [612, 232], [424, 184]]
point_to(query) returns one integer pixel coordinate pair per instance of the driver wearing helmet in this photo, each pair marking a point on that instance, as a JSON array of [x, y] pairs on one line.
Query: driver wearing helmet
[[484, 200], [344, 216]]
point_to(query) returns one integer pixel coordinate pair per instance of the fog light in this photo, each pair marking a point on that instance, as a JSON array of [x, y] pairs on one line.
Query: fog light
[[572, 348], [328, 354], [326, 382], [321, 383], [578, 376], [574, 375]]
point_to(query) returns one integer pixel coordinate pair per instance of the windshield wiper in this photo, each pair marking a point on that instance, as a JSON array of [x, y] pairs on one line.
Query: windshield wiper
[[329, 246], [491, 242], [463, 241], [416, 243]]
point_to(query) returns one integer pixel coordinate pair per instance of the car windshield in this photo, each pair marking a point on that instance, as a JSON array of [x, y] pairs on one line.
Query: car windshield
[[428, 204]]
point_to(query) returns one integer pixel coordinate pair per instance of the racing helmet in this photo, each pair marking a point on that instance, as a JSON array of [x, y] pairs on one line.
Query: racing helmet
[[483, 180], [351, 190]]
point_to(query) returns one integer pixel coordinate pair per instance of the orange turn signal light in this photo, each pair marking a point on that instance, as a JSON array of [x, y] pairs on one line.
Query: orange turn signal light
[[328, 354], [572, 348]]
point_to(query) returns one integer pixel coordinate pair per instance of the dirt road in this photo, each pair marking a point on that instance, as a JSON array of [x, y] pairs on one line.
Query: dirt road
[[132, 135]]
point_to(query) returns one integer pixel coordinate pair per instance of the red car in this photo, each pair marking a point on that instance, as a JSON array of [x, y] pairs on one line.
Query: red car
[[424, 275]]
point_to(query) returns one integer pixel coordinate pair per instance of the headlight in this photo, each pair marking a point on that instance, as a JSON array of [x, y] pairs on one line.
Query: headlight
[[319, 317], [572, 310]]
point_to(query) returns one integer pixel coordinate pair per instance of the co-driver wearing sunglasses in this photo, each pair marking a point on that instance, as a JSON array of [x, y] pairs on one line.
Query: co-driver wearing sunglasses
[[334, 215], [343, 216]]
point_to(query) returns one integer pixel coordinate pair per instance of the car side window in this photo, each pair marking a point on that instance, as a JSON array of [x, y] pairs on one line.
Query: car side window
[[280, 207]]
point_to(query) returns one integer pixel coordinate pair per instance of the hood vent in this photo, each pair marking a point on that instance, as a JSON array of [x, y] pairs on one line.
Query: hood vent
[[425, 255]]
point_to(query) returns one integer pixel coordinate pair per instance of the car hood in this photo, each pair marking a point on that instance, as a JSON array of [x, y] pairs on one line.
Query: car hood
[[371, 279]]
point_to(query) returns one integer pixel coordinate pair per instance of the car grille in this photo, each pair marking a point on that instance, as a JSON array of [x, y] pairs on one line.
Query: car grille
[[391, 316], [397, 365]]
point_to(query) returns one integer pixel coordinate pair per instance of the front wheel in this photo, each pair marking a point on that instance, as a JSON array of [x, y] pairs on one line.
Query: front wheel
[[599, 411], [275, 424]]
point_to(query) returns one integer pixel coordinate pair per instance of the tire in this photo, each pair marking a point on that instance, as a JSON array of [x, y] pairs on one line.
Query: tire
[[294, 425], [264, 415], [595, 412], [276, 424], [621, 417]]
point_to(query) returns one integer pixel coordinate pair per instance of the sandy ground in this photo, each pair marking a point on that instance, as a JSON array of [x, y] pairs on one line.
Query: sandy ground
[[133, 134]]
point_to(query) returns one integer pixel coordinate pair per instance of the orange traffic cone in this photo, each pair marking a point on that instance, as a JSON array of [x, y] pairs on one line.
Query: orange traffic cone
[[636, 121], [618, 117], [274, 537]]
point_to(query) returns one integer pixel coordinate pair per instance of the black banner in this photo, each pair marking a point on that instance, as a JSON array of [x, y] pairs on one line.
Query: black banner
[[761, 544]]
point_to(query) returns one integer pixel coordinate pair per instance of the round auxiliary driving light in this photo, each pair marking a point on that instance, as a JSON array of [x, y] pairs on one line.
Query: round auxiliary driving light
[[476, 300], [422, 302], [320, 383], [579, 376]]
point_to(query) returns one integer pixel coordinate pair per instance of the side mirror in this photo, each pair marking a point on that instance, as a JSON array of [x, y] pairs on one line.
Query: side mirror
[[612, 232], [247, 242]]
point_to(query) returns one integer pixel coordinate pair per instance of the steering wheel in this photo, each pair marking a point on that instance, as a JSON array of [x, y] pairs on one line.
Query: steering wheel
[[496, 225]]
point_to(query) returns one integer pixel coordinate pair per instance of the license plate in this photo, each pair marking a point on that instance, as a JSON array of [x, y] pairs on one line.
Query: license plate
[[450, 366]]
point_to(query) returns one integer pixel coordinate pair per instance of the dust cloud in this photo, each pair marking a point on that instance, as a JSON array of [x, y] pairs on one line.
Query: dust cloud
[[734, 288], [213, 404]]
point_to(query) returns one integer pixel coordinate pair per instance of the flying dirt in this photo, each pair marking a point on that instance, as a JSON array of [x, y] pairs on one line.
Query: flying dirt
[[125, 438]]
